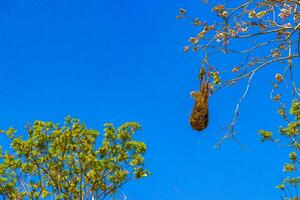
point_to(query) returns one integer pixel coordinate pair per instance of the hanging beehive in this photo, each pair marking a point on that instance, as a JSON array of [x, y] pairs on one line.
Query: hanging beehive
[[199, 116]]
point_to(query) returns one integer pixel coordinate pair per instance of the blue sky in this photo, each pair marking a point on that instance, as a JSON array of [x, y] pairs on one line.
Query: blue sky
[[116, 61]]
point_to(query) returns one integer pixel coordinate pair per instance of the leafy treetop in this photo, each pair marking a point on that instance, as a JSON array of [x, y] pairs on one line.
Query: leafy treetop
[[64, 162]]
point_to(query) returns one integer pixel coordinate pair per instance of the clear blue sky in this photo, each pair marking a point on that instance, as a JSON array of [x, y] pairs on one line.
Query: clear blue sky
[[116, 61]]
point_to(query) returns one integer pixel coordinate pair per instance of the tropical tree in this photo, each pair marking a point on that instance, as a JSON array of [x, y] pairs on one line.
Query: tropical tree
[[255, 34], [68, 161]]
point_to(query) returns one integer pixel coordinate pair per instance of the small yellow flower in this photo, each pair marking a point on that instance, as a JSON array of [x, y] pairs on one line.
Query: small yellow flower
[[277, 97], [275, 54], [266, 134], [220, 35], [208, 28], [252, 14], [182, 11], [261, 14], [235, 69], [186, 48], [278, 77], [218, 8], [197, 22], [195, 49], [232, 32], [193, 40], [289, 167], [216, 78], [224, 14], [201, 34], [281, 186], [293, 156]]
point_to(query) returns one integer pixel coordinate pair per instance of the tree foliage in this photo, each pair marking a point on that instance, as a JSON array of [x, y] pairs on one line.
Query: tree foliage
[[65, 162], [290, 132]]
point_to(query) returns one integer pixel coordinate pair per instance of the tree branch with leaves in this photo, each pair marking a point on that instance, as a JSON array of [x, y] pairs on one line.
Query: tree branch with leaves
[[259, 35], [64, 162]]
